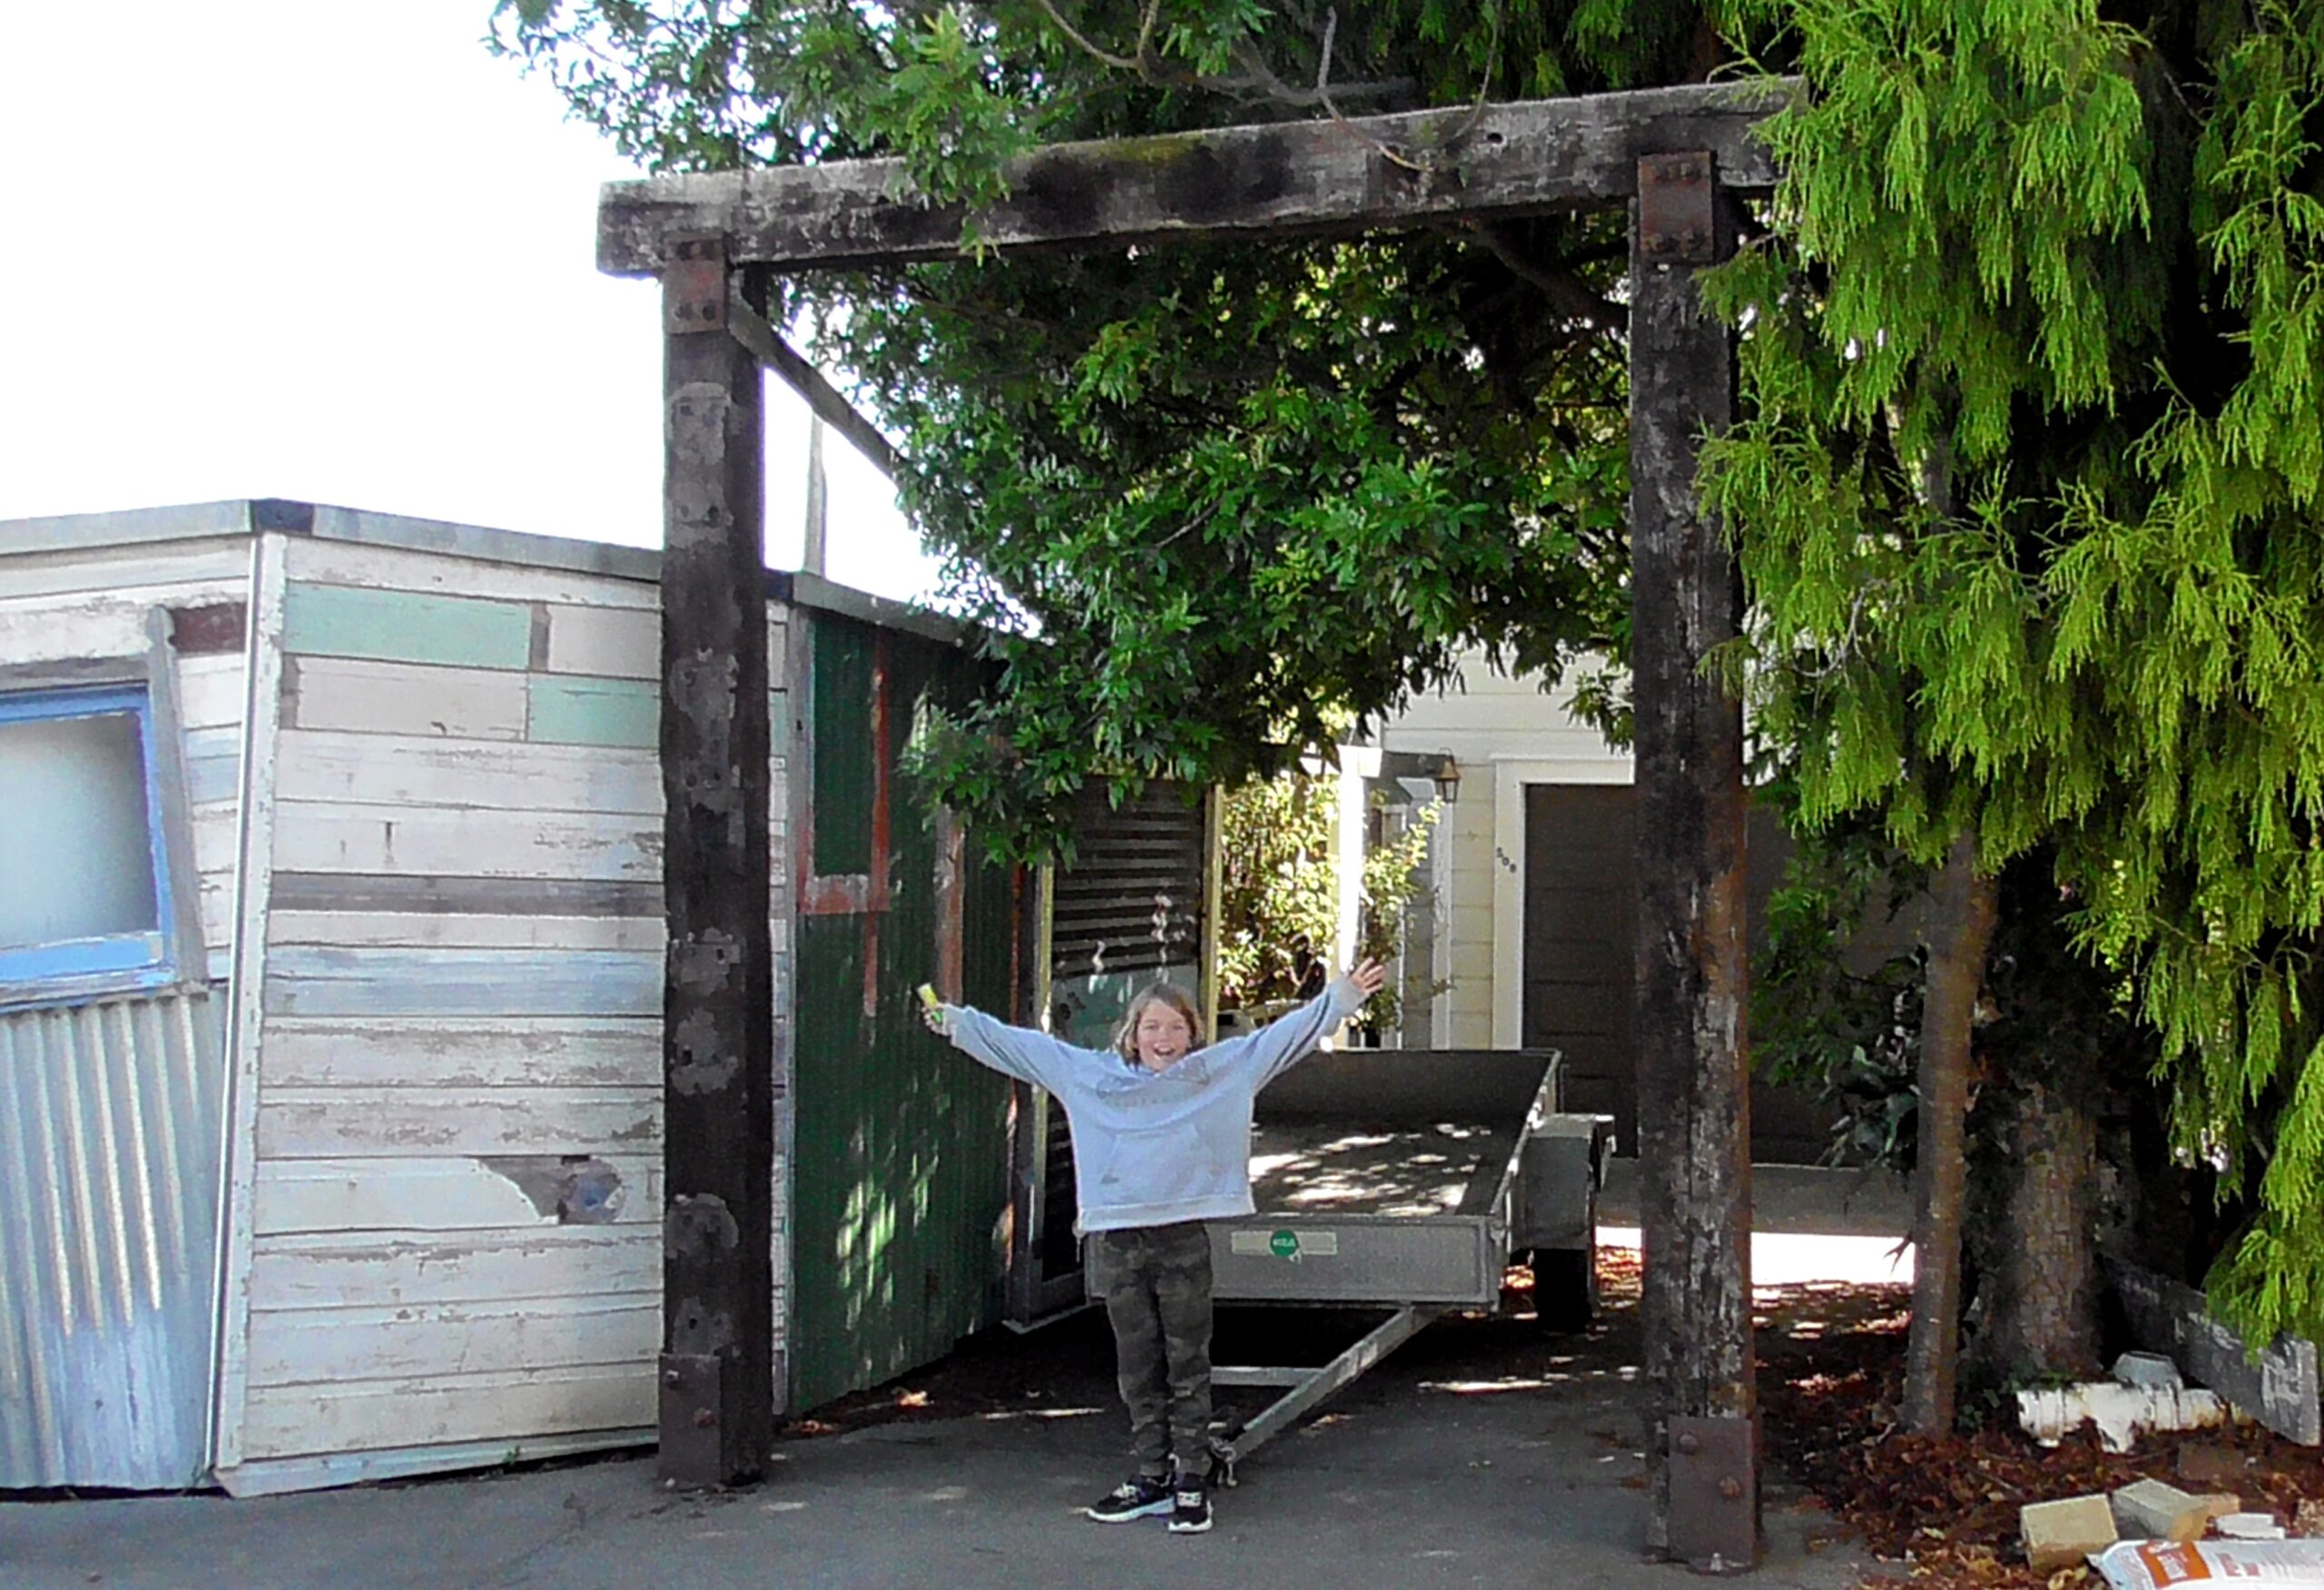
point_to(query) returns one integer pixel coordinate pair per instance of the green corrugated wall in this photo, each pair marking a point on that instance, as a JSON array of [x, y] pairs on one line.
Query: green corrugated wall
[[900, 1174]]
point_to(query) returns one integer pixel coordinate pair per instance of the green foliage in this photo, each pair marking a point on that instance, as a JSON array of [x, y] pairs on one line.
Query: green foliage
[[1830, 1014], [1209, 498], [1278, 900], [1279, 896], [1833, 1008], [1391, 892], [2027, 502], [2027, 491]]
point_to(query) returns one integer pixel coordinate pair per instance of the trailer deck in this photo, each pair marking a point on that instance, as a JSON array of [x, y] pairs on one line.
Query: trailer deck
[[1383, 1179]]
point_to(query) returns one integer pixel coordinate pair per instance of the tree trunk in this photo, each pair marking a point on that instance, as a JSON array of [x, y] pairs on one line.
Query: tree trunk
[[2038, 1303], [1966, 904]]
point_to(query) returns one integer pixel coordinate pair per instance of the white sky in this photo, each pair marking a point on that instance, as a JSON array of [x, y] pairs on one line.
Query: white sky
[[339, 254]]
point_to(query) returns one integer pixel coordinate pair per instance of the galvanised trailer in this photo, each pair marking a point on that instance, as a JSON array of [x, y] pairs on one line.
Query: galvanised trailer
[[1406, 1181]]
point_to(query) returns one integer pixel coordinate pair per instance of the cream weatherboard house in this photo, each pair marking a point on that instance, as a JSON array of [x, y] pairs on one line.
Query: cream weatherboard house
[[1525, 937]]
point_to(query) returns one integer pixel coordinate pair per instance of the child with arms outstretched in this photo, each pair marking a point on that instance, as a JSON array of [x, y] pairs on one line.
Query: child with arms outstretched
[[1161, 1144]]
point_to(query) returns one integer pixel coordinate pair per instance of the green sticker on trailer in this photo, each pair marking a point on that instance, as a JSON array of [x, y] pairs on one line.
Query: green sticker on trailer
[[1284, 1245]]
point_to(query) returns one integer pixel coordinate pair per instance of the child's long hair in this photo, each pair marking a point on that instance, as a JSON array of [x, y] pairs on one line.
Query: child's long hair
[[1158, 993]]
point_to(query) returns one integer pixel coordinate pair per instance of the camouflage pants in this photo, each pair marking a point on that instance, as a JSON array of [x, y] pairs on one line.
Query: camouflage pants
[[1156, 1281]]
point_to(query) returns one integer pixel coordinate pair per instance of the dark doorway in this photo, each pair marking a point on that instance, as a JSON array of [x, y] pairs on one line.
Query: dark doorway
[[1581, 937]]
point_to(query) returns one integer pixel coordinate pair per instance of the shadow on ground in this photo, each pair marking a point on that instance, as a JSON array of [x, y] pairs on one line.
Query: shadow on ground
[[1485, 1452]]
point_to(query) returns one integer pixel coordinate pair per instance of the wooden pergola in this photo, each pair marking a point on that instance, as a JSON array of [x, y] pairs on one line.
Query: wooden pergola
[[1678, 159]]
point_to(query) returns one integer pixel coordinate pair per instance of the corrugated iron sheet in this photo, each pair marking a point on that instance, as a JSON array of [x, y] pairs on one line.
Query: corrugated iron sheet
[[109, 1146], [1132, 900], [900, 1168]]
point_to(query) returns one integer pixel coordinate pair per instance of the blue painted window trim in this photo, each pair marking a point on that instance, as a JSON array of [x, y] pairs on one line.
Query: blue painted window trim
[[118, 963]]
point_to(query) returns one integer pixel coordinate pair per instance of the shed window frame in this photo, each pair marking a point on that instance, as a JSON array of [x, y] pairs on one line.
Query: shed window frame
[[134, 962]]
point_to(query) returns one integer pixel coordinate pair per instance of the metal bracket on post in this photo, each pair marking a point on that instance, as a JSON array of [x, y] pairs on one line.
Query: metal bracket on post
[[1715, 1493], [693, 285], [1677, 210]]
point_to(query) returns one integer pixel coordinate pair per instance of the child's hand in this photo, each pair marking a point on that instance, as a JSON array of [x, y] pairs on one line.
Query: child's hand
[[931, 1010], [1369, 977]]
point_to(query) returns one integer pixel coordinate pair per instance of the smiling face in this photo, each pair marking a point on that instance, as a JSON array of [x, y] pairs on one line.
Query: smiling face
[[1162, 1036]]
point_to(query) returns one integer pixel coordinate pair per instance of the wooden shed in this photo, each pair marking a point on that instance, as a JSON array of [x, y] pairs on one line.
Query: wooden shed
[[343, 1138]]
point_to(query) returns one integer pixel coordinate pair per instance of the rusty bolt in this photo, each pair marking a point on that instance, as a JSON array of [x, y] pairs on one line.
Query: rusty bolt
[[670, 1378], [1731, 1489], [1690, 1443], [703, 1418]]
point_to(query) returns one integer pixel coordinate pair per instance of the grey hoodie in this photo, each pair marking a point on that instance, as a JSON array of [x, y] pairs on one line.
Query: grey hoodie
[[1154, 1148]]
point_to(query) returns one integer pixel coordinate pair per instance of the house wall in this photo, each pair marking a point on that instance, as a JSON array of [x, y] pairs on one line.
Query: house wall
[[1503, 731], [446, 1180]]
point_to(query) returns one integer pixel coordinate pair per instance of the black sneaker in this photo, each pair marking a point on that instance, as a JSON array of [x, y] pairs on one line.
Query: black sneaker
[[1189, 1508], [1136, 1498]]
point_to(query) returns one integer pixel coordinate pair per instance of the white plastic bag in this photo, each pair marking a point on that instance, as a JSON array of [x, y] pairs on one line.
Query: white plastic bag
[[2155, 1565]]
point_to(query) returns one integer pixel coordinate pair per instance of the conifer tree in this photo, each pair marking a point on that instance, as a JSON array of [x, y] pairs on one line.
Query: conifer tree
[[2072, 261]]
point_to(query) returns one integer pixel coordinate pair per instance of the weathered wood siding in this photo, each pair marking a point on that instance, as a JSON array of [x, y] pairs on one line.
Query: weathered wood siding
[[70, 606], [454, 1157]]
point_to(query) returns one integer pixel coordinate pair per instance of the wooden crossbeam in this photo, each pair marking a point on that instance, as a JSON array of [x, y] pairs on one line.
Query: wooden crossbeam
[[774, 350], [1286, 179]]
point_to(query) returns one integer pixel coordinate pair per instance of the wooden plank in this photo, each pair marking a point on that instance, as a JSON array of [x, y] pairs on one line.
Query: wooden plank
[[450, 1052], [193, 569], [327, 1470], [621, 643], [1693, 1071], [427, 770], [451, 1193], [358, 929], [214, 759], [339, 1122], [246, 1034], [579, 710], [217, 906], [1279, 179], [403, 698], [350, 563], [106, 622], [406, 626], [319, 837], [425, 895], [823, 400], [400, 1269], [212, 692], [286, 1421], [216, 828], [313, 982], [718, 1036], [339, 1346]]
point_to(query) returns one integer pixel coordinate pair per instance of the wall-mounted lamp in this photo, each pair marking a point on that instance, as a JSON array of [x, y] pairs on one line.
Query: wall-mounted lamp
[[1437, 766], [1447, 778]]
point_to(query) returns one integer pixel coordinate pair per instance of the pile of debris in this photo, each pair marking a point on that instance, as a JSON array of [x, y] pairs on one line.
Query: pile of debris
[[1996, 1510], [2151, 1533]]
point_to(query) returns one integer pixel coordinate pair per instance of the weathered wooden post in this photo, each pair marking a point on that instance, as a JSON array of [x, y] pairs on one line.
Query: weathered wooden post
[[1693, 1081], [717, 1396]]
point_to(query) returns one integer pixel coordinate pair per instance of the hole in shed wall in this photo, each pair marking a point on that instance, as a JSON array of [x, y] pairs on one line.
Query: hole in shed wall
[[577, 1189]]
